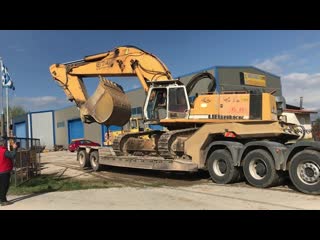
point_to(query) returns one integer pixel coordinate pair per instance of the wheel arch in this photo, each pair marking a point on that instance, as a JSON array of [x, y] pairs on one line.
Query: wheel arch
[[233, 147], [79, 149], [298, 147], [96, 166], [275, 149]]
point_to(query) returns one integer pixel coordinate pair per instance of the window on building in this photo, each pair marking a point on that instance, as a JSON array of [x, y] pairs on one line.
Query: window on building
[[60, 124], [136, 110], [139, 110]]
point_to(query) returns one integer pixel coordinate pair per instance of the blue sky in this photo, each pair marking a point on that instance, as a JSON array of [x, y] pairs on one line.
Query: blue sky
[[293, 55]]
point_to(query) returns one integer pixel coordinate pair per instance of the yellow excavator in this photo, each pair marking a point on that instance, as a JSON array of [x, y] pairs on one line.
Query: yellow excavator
[[134, 125], [230, 134]]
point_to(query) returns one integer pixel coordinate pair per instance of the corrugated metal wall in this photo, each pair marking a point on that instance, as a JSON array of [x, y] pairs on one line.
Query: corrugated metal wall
[[42, 127], [91, 131], [136, 97], [229, 79], [202, 86]]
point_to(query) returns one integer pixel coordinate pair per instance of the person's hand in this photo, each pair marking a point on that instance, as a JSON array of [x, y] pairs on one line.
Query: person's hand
[[14, 146]]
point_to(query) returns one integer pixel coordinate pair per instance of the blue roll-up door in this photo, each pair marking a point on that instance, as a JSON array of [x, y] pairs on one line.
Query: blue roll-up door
[[75, 129], [111, 128], [20, 130], [155, 127]]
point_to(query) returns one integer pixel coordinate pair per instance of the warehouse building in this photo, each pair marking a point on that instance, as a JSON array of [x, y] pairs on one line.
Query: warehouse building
[[36, 125], [59, 127]]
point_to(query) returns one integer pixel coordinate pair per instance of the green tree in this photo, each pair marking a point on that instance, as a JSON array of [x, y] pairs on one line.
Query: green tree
[[317, 120], [15, 111]]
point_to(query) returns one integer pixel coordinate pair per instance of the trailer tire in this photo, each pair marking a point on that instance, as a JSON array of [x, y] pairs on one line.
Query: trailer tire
[[259, 169], [304, 171], [83, 159], [94, 160], [221, 167]]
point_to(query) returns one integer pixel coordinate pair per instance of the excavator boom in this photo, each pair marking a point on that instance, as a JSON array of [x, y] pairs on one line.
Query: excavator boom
[[109, 104]]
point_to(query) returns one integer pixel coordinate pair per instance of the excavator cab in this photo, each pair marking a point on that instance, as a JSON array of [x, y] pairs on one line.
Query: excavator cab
[[166, 102]]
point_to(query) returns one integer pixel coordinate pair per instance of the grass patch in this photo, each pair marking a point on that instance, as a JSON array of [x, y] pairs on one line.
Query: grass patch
[[51, 183]]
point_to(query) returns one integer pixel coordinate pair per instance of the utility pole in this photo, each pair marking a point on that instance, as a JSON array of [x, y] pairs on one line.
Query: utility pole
[[8, 134], [301, 102], [6, 82], [2, 112]]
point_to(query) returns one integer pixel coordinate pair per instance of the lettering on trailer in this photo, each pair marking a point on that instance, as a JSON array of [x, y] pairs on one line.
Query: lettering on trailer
[[226, 117]]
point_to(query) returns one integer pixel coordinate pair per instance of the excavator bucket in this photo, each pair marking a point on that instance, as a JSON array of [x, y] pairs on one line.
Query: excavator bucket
[[108, 105]]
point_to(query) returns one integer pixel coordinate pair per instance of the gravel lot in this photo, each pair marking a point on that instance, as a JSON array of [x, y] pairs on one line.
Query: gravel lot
[[145, 189]]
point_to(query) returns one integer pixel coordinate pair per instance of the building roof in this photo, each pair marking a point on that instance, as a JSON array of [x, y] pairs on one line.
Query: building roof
[[299, 111], [214, 67], [295, 109]]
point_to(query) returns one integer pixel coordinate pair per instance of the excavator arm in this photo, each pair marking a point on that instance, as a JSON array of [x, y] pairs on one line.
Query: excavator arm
[[109, 104]]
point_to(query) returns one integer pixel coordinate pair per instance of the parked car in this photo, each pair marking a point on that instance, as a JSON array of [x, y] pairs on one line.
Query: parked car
[[73, 146]]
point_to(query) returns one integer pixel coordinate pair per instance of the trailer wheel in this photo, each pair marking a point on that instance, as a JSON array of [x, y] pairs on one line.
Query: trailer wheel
[[82, 158], [259, 169], [304, 171], [221, 167], [94, 160]]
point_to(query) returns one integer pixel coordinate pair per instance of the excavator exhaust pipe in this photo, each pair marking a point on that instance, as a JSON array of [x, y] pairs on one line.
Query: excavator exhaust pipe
[[109, 105]]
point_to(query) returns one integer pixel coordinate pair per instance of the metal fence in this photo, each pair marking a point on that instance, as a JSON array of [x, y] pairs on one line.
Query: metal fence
[[27, 160]]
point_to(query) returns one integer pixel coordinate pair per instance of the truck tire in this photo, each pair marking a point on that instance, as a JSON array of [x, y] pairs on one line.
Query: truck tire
[[83, 159], [304, 171], [94, 160], [259, 169], [221, 167]]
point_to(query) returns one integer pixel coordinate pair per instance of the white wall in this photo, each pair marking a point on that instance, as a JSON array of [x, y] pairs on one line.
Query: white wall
[[42, 128]]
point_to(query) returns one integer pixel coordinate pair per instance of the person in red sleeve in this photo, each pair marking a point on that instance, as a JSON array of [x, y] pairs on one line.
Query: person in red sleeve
[[6, 166]]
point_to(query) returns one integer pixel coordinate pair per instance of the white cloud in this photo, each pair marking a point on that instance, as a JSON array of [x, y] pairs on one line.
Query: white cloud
[[273, 65], [16, 48], [308, 46], [40, 103], [296, 85], [290, 59]]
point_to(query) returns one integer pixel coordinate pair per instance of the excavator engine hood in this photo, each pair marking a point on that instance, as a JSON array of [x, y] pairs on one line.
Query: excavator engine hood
[[109, 105]]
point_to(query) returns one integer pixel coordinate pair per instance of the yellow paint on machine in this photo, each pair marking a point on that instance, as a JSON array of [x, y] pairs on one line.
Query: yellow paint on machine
[[223, 104], [269, 103], [254, 79]]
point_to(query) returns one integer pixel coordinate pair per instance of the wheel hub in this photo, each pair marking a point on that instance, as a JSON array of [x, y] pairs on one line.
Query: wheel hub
[[94, 161], [309, 172], [81, 159], [261, 169], [222, 166], [258, 169]]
